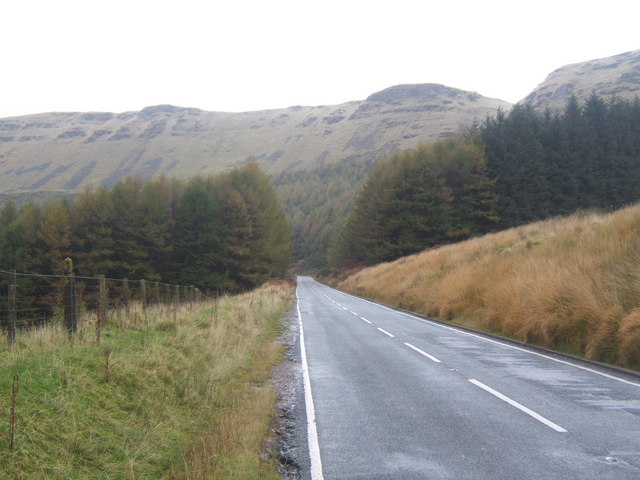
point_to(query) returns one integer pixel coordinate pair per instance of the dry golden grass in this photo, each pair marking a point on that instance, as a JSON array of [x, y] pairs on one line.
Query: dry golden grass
[[569, 283]]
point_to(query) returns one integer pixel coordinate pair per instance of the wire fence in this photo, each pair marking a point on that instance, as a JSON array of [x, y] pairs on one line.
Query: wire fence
[[29, 301]]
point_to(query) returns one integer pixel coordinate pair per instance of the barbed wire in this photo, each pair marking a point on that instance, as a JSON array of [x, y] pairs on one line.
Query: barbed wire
[[97, 279]]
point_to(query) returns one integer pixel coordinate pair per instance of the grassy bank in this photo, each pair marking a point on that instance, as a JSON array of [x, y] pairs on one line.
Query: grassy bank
[[174, 394], [571, 284]]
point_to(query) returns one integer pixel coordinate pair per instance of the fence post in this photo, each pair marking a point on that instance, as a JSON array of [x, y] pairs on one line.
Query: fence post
[[12, 415], [69, 298], [101, 319], [143, 294], [156, 291], [12, 314], [126, 297]]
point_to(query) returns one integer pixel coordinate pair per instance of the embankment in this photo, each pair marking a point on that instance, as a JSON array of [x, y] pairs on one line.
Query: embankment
[[570, 284]]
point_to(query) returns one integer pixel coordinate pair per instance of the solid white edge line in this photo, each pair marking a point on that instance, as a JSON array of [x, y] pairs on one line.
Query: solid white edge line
[[386, 333], [430, 357], [312, 430], [514, 347], [519, 406]]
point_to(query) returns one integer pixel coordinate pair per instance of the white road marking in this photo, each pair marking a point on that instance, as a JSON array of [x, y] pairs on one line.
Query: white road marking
[[386, 333], [356, 314], [430, 357], [312, 430], [519, 406], [366, 320], [514, 347]]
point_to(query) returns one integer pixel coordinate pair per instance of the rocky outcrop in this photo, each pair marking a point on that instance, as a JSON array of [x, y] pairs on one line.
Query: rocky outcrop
[[618, 75]]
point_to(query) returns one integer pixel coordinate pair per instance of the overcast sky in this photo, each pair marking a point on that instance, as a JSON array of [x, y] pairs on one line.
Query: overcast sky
[[238, 55]]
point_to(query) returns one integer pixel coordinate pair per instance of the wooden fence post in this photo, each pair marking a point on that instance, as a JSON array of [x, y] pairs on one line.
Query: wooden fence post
[[12, 315], [69, 298], [12, 415], [101, 319], [143, 294], [156, 291], [126, 297]]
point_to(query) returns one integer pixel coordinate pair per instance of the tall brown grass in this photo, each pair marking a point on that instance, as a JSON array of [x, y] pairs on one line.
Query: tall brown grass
[[571, 284]]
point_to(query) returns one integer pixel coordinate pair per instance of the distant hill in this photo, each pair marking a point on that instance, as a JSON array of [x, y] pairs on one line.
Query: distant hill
[[63, 152], [618, 75]]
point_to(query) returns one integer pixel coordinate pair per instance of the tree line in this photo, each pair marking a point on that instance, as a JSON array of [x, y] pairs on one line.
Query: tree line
[[436, 194], [317, 202], [515, 168], [588, 156], [226, 231]]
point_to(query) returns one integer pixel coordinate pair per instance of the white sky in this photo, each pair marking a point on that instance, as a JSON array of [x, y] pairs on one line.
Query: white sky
[[238, 55]]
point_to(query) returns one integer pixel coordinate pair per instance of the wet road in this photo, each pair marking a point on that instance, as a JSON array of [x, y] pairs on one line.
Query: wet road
[[398, 397]]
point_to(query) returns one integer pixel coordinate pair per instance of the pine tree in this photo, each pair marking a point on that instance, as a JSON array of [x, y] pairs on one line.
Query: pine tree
[[54, 237], [198, 239], [131, 259], [270, 236], [92, 221], [437, 194]]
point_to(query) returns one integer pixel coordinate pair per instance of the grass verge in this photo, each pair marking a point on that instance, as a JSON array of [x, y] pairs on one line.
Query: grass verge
[[571, 284], [181, 394]]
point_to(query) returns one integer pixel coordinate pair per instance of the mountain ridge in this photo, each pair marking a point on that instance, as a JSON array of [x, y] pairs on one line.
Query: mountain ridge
[[618, 75], [66, 151], [59, 153]]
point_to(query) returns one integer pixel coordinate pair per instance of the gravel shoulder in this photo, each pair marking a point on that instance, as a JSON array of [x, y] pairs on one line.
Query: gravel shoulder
[[288, 441]]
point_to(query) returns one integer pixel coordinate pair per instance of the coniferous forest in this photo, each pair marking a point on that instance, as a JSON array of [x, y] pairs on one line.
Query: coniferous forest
[[229, 231], [516, 168], [546, 165], [226, 231], [438, 193]]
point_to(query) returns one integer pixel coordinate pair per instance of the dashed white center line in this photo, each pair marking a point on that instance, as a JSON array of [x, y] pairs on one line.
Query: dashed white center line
[[354, 313], [519, 406], [430, 357], [387, 333], [366, 320]]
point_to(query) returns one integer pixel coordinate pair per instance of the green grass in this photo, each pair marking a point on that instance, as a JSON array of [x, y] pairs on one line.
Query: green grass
[[157, 411]]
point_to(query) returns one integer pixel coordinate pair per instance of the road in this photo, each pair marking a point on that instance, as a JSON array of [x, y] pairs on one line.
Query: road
[[395, 396]]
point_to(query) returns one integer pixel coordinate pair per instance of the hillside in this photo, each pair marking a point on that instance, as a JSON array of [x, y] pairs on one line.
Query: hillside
[[618, 75], [179, 391], [568, 283], [55, 152]]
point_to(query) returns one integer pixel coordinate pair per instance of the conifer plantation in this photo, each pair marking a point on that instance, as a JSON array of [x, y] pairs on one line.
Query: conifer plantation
[[516, 168], [547, 165], [438, 193], [220, 232]]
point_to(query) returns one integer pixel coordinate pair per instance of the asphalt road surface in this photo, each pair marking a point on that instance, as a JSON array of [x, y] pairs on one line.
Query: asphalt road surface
[[393, 396]]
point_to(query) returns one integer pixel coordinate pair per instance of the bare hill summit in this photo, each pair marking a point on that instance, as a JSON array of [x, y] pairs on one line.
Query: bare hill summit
[[618, 75]]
